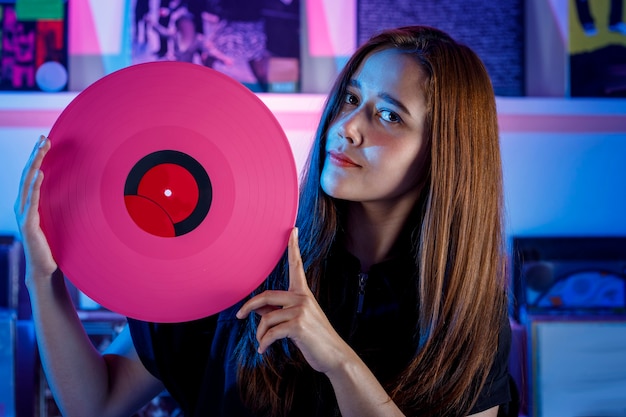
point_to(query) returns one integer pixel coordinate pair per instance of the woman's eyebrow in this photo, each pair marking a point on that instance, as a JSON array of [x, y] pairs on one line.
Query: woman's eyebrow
[[390, 99], [383, 95], [354, 83]]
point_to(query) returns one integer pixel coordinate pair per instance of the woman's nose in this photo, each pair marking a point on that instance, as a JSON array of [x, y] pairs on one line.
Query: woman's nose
[[350, 127]]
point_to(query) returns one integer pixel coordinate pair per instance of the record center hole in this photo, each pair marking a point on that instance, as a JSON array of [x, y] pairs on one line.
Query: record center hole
[[167, 192]]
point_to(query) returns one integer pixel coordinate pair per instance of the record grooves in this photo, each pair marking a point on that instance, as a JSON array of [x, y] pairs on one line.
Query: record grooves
[[170, 191]]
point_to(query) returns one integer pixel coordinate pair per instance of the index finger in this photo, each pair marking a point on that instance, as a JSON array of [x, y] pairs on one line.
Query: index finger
[[297, 278], [32, 166]]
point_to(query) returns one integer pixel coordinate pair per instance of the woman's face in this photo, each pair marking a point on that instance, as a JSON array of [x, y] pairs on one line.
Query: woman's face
[[375, 148]]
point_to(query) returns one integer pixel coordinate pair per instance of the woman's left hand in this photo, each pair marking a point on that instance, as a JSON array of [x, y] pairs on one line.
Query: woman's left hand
[[296, 314]]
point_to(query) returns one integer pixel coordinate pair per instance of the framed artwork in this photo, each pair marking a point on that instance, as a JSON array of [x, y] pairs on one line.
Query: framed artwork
[[33, 46], [597, 48], [256, 42]]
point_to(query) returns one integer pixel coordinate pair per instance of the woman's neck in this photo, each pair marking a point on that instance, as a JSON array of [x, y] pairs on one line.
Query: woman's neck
[[373, 228]]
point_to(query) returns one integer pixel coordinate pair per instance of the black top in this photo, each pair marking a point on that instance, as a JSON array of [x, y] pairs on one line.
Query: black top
[[375, 314]]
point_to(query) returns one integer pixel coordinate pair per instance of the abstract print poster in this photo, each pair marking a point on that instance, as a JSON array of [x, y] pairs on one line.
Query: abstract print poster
[[33, 46], [256, 42]]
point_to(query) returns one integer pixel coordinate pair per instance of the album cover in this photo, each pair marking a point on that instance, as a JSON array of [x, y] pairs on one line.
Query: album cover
[[256, 42], [597, 48], [33, 46], [568, 276]]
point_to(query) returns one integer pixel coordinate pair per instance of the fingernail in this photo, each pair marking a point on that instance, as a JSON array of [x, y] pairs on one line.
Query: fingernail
[[296, 232], [43, 142], [239, 315]]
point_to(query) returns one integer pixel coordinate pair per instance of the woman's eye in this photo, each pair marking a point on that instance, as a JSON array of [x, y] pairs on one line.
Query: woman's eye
[[389, 116], [351, 99]]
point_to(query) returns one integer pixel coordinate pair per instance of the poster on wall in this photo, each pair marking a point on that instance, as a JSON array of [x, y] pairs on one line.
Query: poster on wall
[[256, 42], [33, 45], [498, 39], [597, 48]]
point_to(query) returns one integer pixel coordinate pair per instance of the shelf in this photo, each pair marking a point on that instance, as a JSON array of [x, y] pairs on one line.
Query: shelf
[[302, 111]]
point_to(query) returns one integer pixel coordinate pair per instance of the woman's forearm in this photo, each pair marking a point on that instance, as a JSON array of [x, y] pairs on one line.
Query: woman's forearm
[[358, 392], [75, 370]]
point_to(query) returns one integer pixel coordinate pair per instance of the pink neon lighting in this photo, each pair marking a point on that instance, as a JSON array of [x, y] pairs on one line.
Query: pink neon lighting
[[331, 27], [82, 36]]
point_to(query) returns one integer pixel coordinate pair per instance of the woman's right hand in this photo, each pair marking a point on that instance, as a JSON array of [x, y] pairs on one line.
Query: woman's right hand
[[39, 260]]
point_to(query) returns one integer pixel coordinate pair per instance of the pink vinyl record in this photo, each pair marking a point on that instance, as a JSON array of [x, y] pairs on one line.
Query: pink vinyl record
[[170, 191]]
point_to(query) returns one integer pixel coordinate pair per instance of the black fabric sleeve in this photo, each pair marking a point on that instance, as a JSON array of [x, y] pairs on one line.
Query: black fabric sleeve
[[142, 340], [497, 388], [176, 353]]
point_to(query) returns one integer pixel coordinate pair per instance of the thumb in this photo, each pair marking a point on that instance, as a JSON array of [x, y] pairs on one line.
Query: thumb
[[297, 278]]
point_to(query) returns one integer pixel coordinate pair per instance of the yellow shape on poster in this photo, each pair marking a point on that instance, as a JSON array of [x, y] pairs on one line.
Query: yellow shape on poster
[[579, 41], [39, 10]]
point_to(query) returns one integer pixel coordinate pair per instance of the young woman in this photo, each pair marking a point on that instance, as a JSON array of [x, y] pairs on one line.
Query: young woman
[[391, 301]]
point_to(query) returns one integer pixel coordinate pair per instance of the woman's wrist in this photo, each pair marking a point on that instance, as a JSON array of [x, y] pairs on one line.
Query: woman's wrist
[[358, 392], [35, 279]]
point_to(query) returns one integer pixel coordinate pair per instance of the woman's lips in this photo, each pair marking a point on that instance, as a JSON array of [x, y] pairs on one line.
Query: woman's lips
[[342, 160]]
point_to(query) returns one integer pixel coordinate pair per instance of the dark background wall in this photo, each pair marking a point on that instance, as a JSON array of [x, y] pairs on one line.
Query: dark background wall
[[493, 29]]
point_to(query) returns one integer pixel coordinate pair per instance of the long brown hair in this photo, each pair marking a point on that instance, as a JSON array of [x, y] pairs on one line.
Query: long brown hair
[[460, 247]]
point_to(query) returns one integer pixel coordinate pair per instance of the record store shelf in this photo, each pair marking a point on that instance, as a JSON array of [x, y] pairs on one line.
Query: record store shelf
[[301, 112]]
